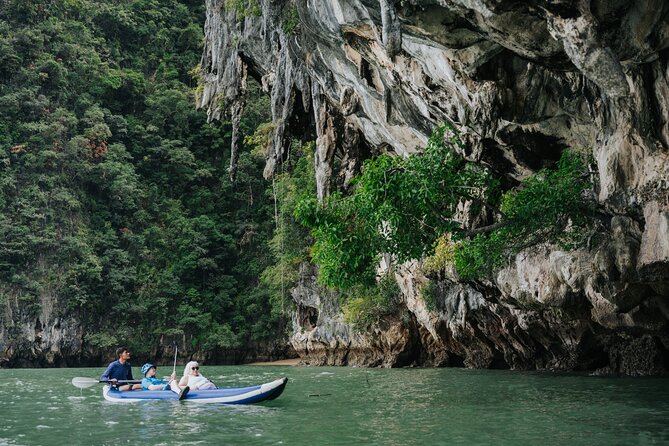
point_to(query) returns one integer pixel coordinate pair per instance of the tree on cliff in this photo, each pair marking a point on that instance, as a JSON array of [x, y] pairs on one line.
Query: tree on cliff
[[439, 203]]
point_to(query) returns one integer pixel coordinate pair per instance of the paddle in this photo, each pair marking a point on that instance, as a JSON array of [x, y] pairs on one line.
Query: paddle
[[174, 368], [176, 349], [84, 383]]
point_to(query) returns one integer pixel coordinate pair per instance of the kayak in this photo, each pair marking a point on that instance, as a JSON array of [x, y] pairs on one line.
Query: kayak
[[228, 395]]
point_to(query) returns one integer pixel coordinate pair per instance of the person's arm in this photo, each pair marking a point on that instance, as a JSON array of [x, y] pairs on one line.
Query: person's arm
[[105, 375], [147, 384]]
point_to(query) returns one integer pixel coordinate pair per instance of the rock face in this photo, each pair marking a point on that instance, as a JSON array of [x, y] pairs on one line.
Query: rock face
[[523, 81], [45, 339], [322, 337]]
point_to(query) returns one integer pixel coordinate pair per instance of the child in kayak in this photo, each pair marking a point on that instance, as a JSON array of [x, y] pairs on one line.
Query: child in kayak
[[150, 382], [193, 379]]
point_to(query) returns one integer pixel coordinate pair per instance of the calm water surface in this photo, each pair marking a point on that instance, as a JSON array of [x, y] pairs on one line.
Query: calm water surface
[[346, 406]]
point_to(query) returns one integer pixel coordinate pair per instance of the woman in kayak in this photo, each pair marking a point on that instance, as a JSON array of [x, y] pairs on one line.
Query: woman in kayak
[[150, 382], [193, 379]]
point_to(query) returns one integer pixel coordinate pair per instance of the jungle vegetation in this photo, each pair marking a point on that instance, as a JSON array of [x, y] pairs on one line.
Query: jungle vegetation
[[114, 193]]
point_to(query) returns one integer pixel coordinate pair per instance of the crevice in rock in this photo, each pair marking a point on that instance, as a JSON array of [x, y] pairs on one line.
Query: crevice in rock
[[307, 317], [301, 122], [649, 125], [534, 150], [365, 72], [494, 156], [455, 360], [592, 353], [498, 362]]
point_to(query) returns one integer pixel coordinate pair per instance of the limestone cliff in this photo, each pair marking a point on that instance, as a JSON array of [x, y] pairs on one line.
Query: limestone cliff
[[49, 338], [523, 81]]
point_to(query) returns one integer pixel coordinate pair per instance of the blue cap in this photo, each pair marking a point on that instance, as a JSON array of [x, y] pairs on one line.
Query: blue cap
[[146, 367]]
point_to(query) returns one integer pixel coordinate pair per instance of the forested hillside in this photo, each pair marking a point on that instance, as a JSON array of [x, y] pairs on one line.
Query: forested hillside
[[116, 205]]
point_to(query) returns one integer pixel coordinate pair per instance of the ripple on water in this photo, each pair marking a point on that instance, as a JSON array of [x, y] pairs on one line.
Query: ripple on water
[[76, 398], [43, 426], [188, 442], [243, 379], [193, 428]]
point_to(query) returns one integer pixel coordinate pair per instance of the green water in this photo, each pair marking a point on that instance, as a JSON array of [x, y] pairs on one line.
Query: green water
[[346, 406]]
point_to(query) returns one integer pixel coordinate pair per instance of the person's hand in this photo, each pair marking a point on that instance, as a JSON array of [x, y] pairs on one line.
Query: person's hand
[[113, 380], [173, 375]]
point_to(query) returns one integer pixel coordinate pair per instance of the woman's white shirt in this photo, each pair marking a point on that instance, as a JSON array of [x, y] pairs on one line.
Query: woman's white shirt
[[200, 382]]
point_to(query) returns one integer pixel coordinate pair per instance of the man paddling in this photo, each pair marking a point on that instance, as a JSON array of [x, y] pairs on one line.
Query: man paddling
[[150, 382], [120, 370]]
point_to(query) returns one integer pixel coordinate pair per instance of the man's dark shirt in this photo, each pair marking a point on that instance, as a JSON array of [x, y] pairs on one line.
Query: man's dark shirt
[[118, 371]]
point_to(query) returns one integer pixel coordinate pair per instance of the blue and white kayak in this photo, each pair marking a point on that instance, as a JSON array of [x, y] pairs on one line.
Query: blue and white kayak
[[228, 395]]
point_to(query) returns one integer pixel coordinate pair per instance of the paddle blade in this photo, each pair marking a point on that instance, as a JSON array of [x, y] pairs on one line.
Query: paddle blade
[[83, 382]]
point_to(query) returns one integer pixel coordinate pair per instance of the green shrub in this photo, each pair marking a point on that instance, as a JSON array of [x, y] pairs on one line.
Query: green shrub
[[366, 306], [244, 8], [290, 19], [431, 294], [410, 207], [102, 340]]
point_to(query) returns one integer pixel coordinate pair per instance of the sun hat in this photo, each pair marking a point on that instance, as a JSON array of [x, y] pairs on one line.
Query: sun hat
[[146, 367]]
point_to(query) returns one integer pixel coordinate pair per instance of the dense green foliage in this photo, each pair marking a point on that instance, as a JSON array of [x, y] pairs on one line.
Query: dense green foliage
[[114, 192], [409, 206], [551, 206], [290, 19], [365, 306], [244, 8]]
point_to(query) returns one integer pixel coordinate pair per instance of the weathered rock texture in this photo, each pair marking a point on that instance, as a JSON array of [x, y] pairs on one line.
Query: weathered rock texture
[[44, 339], [322, 337], [523, 80]]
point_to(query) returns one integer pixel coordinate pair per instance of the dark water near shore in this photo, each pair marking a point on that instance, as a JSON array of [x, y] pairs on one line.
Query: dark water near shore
[[346, 406]]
